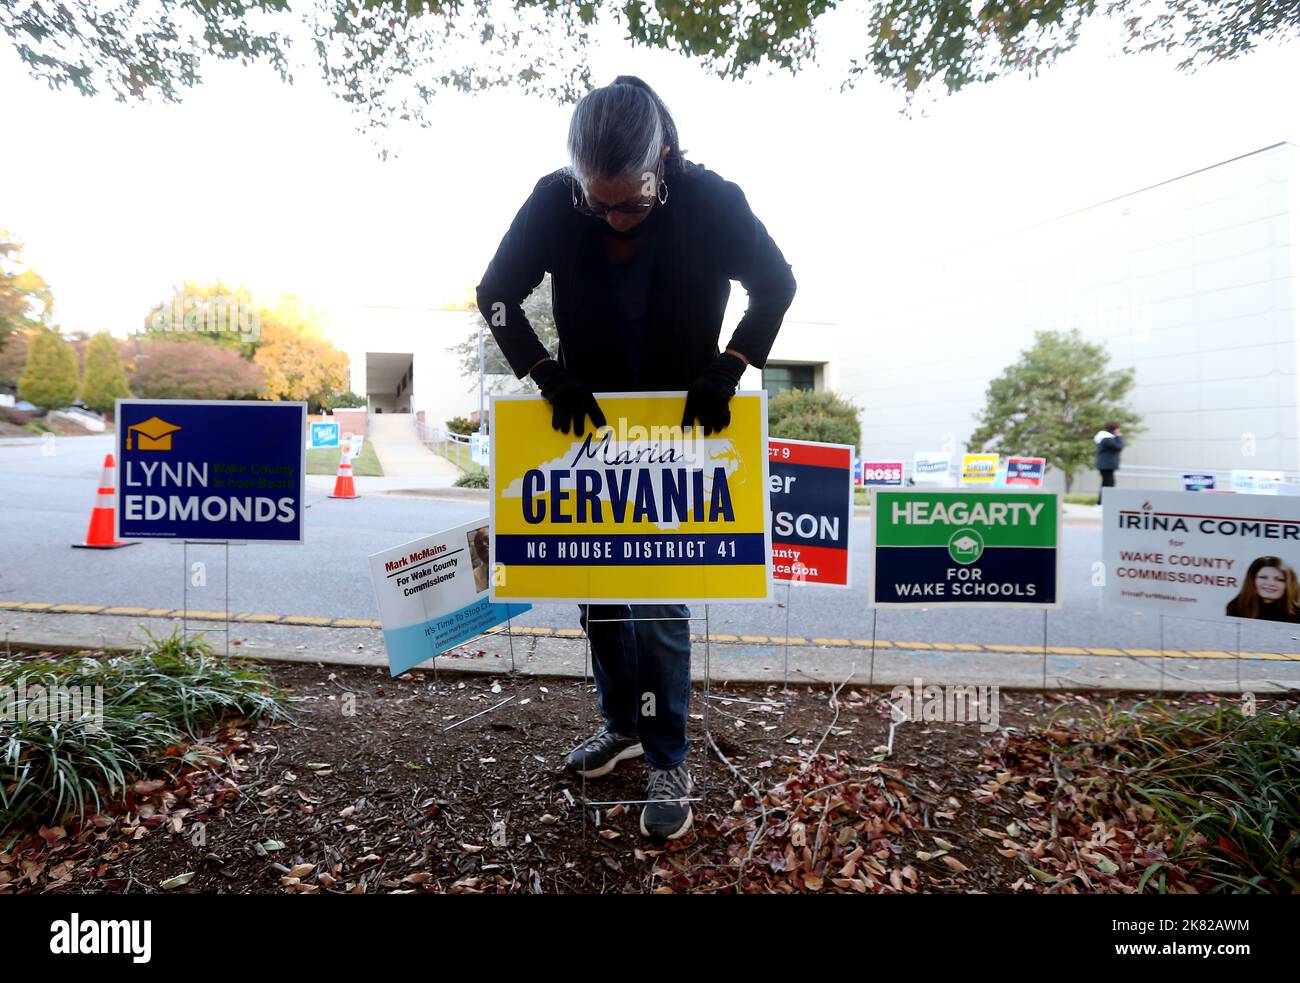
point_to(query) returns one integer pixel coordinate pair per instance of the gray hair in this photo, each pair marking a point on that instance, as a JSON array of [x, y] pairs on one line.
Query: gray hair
[[618, 132]]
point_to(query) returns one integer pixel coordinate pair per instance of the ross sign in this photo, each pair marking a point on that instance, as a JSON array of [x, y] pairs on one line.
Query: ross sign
[[433, 594], [811, 488], [324, 434], [979, 469], [931, 468], [1246, 482], [637, 513], [1198, 482], [1216, 557], [882, 473], [971, 548], [1026, 471], [211, 470]]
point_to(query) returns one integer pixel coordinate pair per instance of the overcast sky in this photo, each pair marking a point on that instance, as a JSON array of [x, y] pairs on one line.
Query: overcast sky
[[258, 183]]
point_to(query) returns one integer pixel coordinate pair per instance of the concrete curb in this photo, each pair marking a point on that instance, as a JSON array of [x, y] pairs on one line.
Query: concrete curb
[[195, 614], [727, 662]]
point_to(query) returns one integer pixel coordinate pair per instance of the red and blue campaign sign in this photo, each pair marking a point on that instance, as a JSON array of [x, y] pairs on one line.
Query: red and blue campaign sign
[[877, 474], [811, 488], [1026, 471], [210, 470]]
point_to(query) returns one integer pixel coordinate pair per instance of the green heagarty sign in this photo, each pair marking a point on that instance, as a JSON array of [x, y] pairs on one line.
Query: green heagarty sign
[[964, 547]]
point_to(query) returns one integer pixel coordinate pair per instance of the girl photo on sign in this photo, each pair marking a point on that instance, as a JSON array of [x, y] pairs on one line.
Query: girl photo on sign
[[1269, 592]]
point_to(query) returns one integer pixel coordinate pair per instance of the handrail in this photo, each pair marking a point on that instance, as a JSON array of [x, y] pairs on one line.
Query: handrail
[[439, 440], [1222, 476]]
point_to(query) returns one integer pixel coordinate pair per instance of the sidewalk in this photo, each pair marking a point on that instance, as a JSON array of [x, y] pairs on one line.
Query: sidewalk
[[533, 653], [434, 484], [403, 456]]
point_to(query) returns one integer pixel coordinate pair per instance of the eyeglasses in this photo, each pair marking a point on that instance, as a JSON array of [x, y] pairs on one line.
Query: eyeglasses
[[584, 207]]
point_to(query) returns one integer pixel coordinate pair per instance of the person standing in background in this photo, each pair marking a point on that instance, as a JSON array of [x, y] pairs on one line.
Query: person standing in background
[[1110, 441]]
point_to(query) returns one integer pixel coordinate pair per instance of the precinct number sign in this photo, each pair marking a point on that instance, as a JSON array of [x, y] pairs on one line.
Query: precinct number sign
[[211, 469], [634, 513], [971, 548], [811, 487]]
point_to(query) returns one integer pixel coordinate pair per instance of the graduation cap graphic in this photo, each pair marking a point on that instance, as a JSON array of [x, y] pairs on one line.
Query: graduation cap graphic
[[153, 434], [965, 546]]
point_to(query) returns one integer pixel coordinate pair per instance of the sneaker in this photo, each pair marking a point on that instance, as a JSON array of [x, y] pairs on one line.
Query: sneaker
[[598, 755], [670, 818]]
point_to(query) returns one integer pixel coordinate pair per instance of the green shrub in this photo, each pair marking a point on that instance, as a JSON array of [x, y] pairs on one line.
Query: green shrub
[[1222, 786], [49, 377], [345, 401], [801, 414], [104, 380], [473, 479], [153, 701], [461, 424]]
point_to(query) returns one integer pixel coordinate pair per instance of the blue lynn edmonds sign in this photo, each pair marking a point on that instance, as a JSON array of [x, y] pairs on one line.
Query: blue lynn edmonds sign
[[985, 548], [210, 469]]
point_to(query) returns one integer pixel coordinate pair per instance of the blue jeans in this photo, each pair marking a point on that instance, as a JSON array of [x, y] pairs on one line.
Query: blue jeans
[[643, 674]]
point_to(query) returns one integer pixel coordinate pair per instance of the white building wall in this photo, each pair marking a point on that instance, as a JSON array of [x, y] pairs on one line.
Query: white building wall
[[1191, 282], [437, 388], [798, 342]]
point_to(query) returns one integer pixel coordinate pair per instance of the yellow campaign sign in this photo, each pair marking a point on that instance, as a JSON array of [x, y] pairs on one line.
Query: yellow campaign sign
[[638, 512], [979, 469]]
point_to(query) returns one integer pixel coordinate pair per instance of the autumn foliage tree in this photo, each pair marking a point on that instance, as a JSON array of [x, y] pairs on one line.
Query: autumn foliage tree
[[298, 362], [13, 356], [284, 341], [25, 298], [168, 369], [207, 312]]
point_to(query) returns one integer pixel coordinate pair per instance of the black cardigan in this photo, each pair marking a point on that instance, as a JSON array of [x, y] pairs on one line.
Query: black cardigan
[[704, 236]]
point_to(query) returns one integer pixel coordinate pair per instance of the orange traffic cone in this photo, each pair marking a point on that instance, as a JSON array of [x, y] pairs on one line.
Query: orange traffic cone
[[99, 534], [343, 485]]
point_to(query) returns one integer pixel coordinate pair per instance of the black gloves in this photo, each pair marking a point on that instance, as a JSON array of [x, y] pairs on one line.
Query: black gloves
[[570, 398], [708, 398]]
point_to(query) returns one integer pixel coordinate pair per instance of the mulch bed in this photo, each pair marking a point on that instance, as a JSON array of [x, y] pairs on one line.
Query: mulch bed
[[367, 792]]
